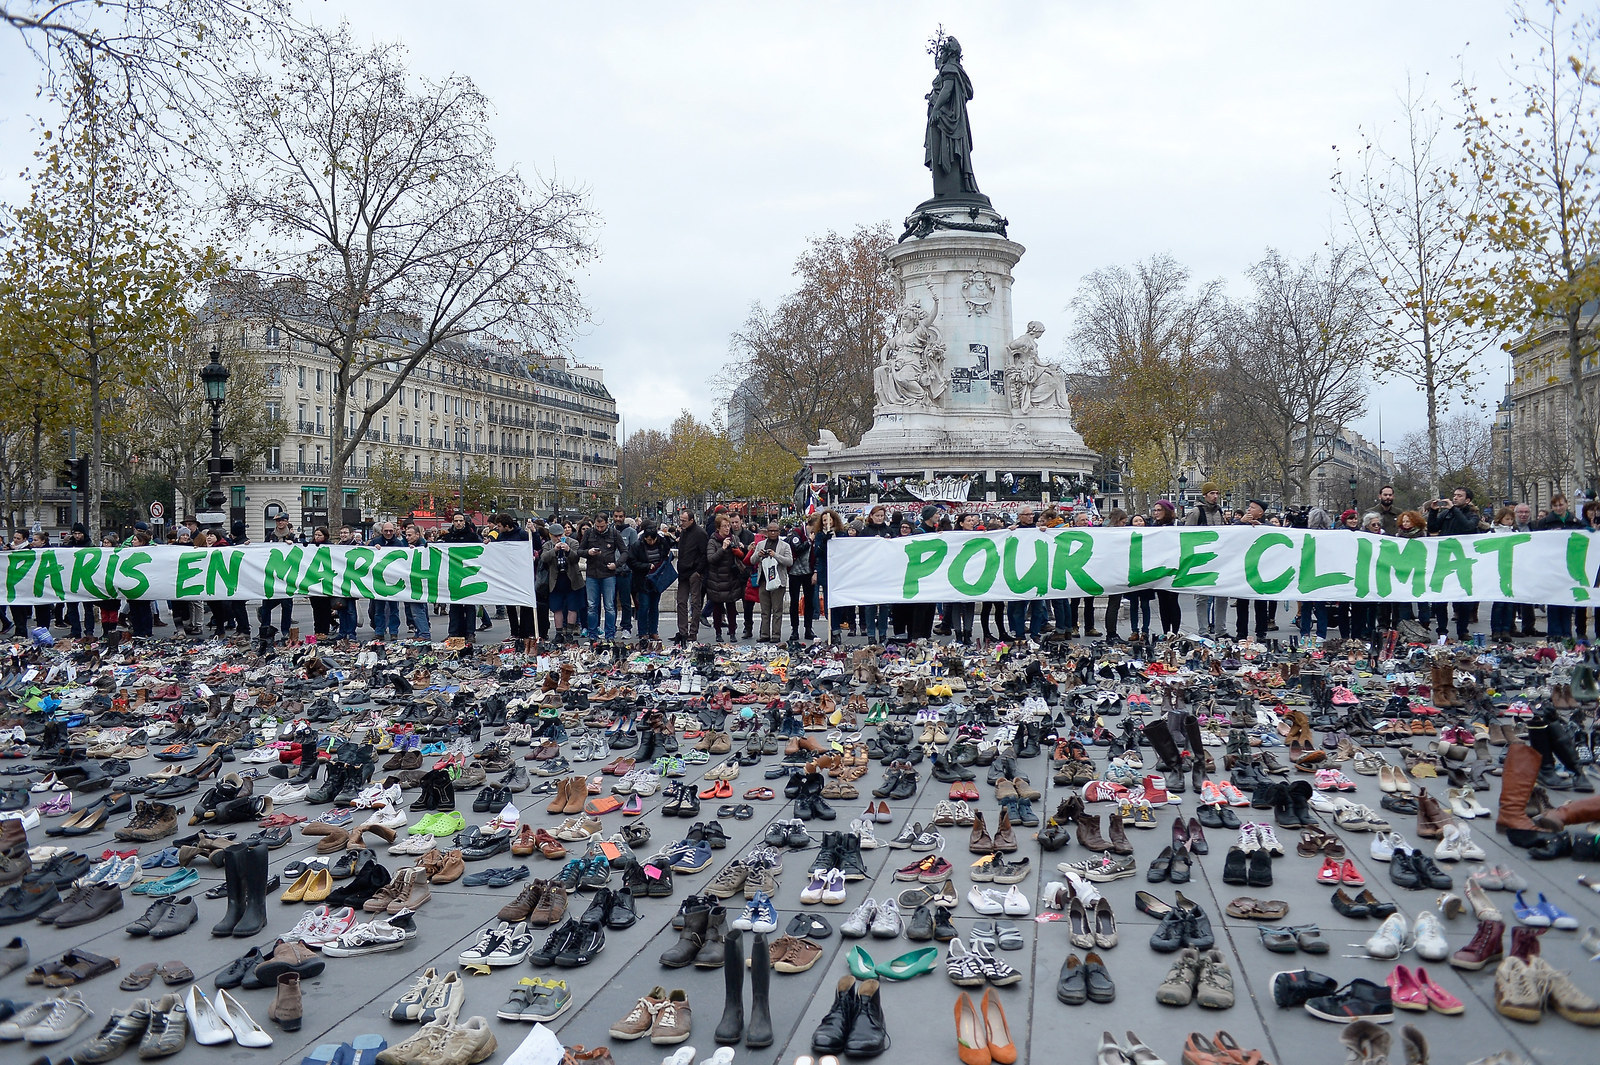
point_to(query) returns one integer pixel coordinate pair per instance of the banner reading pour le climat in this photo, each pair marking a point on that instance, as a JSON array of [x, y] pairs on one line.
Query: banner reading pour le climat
[[488, 573], [1248, 562]]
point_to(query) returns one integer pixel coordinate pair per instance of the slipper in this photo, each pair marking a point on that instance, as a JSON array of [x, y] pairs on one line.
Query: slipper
[[174, 973], [139, 978], [1258, 909], [809, 925]]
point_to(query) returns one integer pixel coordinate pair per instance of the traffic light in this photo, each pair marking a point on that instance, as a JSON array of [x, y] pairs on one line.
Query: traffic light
[[74, 475]]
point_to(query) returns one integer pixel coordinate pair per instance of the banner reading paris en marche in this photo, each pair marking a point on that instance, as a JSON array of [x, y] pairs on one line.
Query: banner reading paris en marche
[[1249, 562], [490, 573]]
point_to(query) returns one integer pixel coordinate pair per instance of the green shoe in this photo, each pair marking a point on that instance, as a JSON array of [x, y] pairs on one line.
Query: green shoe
[[424, 827], [449, 824], [862, 967], [912, 963]]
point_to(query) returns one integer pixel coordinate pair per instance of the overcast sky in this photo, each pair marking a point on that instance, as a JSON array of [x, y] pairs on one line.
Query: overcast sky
[[715, 138]]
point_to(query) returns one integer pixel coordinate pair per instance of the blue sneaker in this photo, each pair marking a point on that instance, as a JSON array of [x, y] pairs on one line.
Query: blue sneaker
[[690, 857], [760, 915], [1531, 915], [1555, 916]]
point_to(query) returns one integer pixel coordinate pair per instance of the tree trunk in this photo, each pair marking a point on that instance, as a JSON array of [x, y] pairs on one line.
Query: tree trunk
[[1579, 423], [36, 480], [96, 446]]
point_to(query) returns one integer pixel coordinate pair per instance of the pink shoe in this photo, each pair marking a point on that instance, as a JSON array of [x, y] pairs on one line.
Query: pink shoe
[[1327, 779], [1234, 796], [1438, 997], [1330, 872], [1406, 992]]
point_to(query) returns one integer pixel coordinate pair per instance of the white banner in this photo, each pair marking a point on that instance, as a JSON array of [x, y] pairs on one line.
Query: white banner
[[492, 574], [1237, 561]]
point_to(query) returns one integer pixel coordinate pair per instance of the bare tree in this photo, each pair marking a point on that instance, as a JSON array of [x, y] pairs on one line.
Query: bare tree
[[806, 364], [163, 62], [1407, 219], [1536, 152], [1298, 355], [377, 204]]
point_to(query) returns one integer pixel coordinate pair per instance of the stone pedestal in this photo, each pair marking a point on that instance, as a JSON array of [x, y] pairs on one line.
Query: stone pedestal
[[956, 256]]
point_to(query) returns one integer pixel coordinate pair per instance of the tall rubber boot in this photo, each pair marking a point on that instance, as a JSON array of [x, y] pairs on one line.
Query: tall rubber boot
[[1191, 730], [235, 882], [252, 864], [758, 1033], [1518, 776], [731, 1028]]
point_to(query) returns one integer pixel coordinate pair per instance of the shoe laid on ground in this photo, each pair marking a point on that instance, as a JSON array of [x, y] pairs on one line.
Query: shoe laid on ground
[[1359, 1000]]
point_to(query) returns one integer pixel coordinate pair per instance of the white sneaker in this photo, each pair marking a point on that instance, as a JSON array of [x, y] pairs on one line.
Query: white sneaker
[[1429, 938], [1384, 844], [260, 756], [1469, 847], [1469, 797], [1389, 941], [1448, 849], [860, 920], [867, 839], [386, 816], [508, 818], [1322, 802], [1016, 903], [413, 845], [1268, 840], [887, 924], [833, 893], [986, 901], [1248, 840], [286, 793]]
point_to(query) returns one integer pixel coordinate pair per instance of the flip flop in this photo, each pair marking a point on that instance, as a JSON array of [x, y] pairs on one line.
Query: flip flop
[[139, 977]]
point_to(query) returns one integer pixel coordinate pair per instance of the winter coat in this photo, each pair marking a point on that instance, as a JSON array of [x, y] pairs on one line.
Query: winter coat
[[692, 543], [800, 548], [643, 558], [726, 572], [1454, 521], [550, 560]]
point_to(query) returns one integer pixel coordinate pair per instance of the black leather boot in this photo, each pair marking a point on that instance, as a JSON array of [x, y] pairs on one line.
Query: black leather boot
[[253, 868], [1191, 729], [868, 1033], [235, 882], [834, 1028], [758, 1033], [731, 1028]]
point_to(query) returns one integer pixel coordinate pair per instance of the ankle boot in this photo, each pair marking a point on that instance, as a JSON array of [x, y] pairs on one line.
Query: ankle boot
[[690, 939], [1431, 817], [1525, 942], [1577, 812], [731, 1028], [711, 952], [1518, 778], [1116, 836], [1005, 838], [758, 1033], [1089, 833], [235, 884], [285, 1010]]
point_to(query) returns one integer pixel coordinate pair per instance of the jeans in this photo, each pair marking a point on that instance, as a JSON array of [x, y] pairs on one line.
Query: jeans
[[649, 609], [140, 617], [624, 579], [285, 609], [1558, 622], [349, 619], [1209, 611], [602, 599], [1139, 612], [417, 615], [1320, 610], [1025, 618], [1502, 618], [385, 618], [876, 625]]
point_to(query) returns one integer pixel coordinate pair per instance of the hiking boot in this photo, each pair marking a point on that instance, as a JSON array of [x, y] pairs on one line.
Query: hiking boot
[[1178, 987], [151, 821], [1214, 990]]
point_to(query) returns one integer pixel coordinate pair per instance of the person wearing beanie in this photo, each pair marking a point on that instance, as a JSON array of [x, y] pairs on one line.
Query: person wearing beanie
[[80, 620], [1211, 611]]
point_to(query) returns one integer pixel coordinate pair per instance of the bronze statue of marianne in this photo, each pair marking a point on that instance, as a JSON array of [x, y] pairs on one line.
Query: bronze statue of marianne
[[947, 148]]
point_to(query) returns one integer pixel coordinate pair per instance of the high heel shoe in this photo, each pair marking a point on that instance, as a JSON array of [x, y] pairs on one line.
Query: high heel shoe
[[972, 1042], [1002, 1049]]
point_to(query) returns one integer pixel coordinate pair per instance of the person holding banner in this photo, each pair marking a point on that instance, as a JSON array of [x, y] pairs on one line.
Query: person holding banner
[[1558, 618], [1210, 610], [1459, 516], [1026, 618], [462, 617], [1163, 515]]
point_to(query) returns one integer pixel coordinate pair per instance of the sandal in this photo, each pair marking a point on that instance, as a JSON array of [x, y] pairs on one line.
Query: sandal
[[174, 973], [1228, 1046], [139, 978], [1312, 840], [77, 966]]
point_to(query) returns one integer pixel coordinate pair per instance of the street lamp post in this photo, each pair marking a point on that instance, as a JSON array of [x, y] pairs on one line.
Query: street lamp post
[[215, 376], [1183, 485], [1506, 415], [1354, 503]]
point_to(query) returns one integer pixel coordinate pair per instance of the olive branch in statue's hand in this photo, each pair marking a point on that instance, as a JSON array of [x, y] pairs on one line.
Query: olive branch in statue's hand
[[936, 42]]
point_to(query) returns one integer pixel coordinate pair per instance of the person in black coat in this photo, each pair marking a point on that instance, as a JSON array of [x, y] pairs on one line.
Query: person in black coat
[[647, 555], [462, 616], [692, 564]]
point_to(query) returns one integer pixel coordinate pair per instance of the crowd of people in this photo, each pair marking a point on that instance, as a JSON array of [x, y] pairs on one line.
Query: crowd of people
[[605, 575]]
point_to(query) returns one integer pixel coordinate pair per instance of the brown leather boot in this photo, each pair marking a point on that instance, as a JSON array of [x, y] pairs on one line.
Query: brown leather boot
[[1431, 816], [1116, 836], [1089, 833], [13, 835], [285, 1009], [1577, 812], [1005, 839], [1520, 774], [981, 842], [577, 795]]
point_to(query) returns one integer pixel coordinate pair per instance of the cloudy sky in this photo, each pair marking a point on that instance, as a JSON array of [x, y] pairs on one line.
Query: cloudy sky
[[714, 138]]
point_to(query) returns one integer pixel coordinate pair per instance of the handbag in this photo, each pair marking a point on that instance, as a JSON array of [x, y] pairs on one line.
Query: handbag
[[663, 576], [771, 575]]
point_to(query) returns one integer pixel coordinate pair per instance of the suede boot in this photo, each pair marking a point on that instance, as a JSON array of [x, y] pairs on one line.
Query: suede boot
[[731, 1028], [758, 1033], [285, 1010]]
